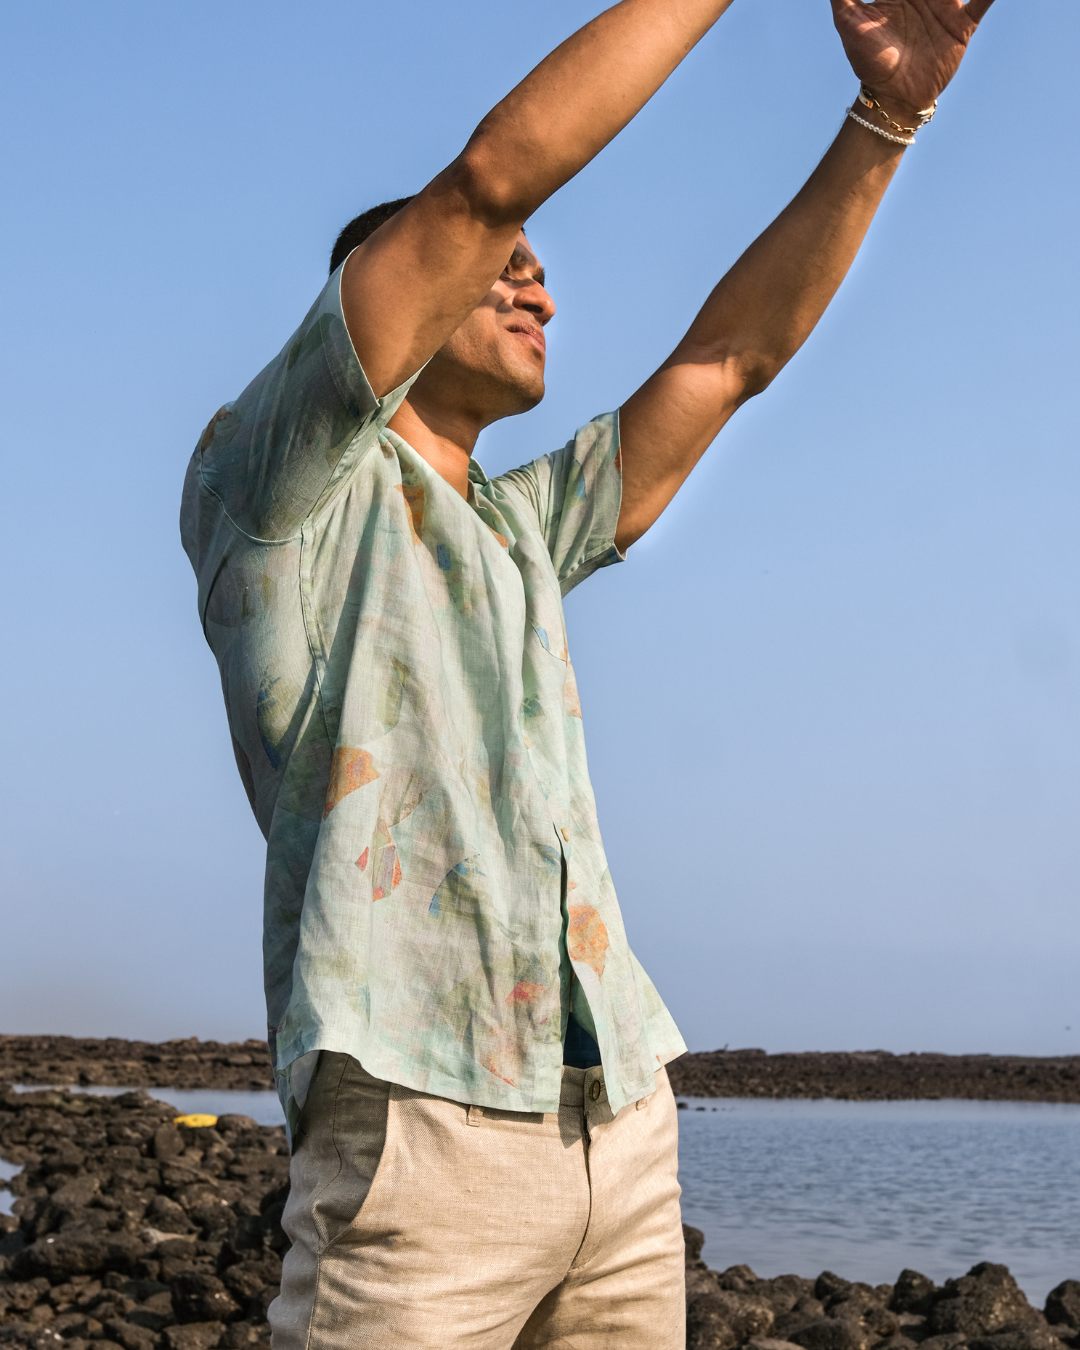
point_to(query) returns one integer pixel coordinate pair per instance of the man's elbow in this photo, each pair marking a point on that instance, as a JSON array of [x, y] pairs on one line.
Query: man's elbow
[[725, 378], [487, 192], [750, 374]]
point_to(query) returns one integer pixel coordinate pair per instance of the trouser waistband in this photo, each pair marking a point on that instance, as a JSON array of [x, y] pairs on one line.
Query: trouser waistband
[[582, 1087]]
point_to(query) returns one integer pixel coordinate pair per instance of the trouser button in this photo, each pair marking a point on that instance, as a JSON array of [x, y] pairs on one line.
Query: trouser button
[[596, 1089]]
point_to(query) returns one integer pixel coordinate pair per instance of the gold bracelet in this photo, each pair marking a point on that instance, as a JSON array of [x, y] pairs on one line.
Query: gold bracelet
[[871, 100]]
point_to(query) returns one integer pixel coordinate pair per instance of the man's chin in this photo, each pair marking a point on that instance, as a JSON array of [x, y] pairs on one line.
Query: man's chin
[[521, 395]]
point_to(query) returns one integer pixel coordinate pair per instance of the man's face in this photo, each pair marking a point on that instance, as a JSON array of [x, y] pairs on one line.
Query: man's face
[[493, 365]]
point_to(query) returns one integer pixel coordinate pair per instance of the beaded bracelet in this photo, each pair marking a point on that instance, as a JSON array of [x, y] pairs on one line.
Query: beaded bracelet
[[879, 131]]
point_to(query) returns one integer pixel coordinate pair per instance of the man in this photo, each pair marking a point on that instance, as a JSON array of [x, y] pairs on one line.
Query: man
[[470, 1058]]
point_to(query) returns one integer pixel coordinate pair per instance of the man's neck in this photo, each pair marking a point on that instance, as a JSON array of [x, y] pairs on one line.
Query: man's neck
[[445, 440]]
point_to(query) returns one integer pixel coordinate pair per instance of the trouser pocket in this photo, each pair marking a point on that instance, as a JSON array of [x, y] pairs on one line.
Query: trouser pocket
[[344, 1136]]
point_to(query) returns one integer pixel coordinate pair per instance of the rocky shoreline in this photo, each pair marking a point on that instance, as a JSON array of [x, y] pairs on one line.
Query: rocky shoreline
[[59, 1061], [982, 1310], [134, 1232], [877, 1075], [873, 1075]]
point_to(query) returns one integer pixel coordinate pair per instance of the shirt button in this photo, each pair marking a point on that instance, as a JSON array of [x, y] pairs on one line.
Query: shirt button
[[596, 1089], [565, 833]]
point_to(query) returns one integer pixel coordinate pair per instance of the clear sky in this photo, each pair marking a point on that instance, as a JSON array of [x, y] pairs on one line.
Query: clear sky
[[831, 700]]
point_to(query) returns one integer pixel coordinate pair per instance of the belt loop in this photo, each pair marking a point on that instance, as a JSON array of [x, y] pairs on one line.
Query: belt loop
[[475, 1116]]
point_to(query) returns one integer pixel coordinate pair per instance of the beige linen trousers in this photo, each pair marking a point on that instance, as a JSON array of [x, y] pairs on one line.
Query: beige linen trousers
[[422, 1224]]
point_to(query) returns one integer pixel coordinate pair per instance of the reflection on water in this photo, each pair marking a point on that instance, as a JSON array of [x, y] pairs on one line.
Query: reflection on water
[[866, 1188], [862, 1188], [7, 1171]]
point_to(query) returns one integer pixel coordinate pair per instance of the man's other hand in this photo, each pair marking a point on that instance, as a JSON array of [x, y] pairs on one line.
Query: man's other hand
[[907, 51]]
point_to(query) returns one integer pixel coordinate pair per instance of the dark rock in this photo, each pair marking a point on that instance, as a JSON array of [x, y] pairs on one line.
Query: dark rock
[[827, 1284], [707, 1326], [201, 1297], [803, 1310], [74, 1195], [913, 1293], [20, 1297], [865, 1305], [784, 1292], [193, 1336], [737, 1279], [897, 1342], [154, 1312], [78, 1253], [1035, 1334], [723, 1318], [83, 1326], [130, 1335], [1063, 1304], [248, 1281], [695, 1241], [243, 1335], [167, 1216], [830, 1333], [167, 1143], [768, 1343], [985, 1300]]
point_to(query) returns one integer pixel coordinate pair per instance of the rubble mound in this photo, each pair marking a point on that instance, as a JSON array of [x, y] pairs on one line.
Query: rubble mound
[[133, 1231], [56, 1061], [982, 1310], [876, 1075]]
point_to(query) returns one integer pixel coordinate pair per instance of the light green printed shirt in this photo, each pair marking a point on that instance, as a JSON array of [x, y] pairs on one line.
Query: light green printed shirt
[[406, 722]]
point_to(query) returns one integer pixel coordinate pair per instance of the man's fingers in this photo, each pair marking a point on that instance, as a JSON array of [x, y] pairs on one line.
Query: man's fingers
[[976, 9], [840, 7]]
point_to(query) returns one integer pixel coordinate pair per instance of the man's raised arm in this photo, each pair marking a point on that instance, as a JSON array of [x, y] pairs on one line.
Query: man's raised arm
[[760, 314], [409, 286]]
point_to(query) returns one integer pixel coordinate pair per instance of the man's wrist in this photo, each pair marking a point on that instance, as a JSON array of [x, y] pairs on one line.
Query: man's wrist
[[874, 133], [892, 115]]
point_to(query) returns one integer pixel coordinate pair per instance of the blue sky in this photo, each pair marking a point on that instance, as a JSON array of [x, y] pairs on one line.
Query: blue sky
[[831, 700]]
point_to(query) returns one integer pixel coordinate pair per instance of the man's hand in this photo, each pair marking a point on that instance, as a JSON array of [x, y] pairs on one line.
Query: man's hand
[[907, 51]]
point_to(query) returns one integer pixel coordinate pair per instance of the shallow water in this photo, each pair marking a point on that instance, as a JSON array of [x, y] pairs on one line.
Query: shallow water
[[862, 1188], [866, 1188]]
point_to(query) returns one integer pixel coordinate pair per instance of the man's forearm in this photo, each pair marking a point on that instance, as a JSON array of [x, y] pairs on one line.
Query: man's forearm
[[755, 320], [767, 305], [461, 228], [580, 97]]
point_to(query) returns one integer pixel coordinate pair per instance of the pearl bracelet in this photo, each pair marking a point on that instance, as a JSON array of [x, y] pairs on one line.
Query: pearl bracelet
[[879, 131]]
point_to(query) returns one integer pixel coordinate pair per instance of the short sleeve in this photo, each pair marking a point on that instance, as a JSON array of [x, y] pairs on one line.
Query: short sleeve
[[575, 494], [273, 453]]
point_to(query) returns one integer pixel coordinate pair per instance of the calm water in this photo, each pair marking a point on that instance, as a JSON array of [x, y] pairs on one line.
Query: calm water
[[866, 1188], [862, 1188]]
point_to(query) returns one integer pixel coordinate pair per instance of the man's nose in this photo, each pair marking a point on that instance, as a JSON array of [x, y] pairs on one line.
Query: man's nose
[[535, 300]]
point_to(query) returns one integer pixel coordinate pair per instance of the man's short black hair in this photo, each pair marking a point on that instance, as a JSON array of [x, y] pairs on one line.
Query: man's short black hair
[[359, 229]]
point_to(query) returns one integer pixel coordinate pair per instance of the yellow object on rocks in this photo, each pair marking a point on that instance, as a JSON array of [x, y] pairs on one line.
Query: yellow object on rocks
[[195, 1122]]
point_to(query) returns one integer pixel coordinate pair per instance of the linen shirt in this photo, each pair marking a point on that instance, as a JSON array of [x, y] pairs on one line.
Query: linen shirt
[[406, 722]]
